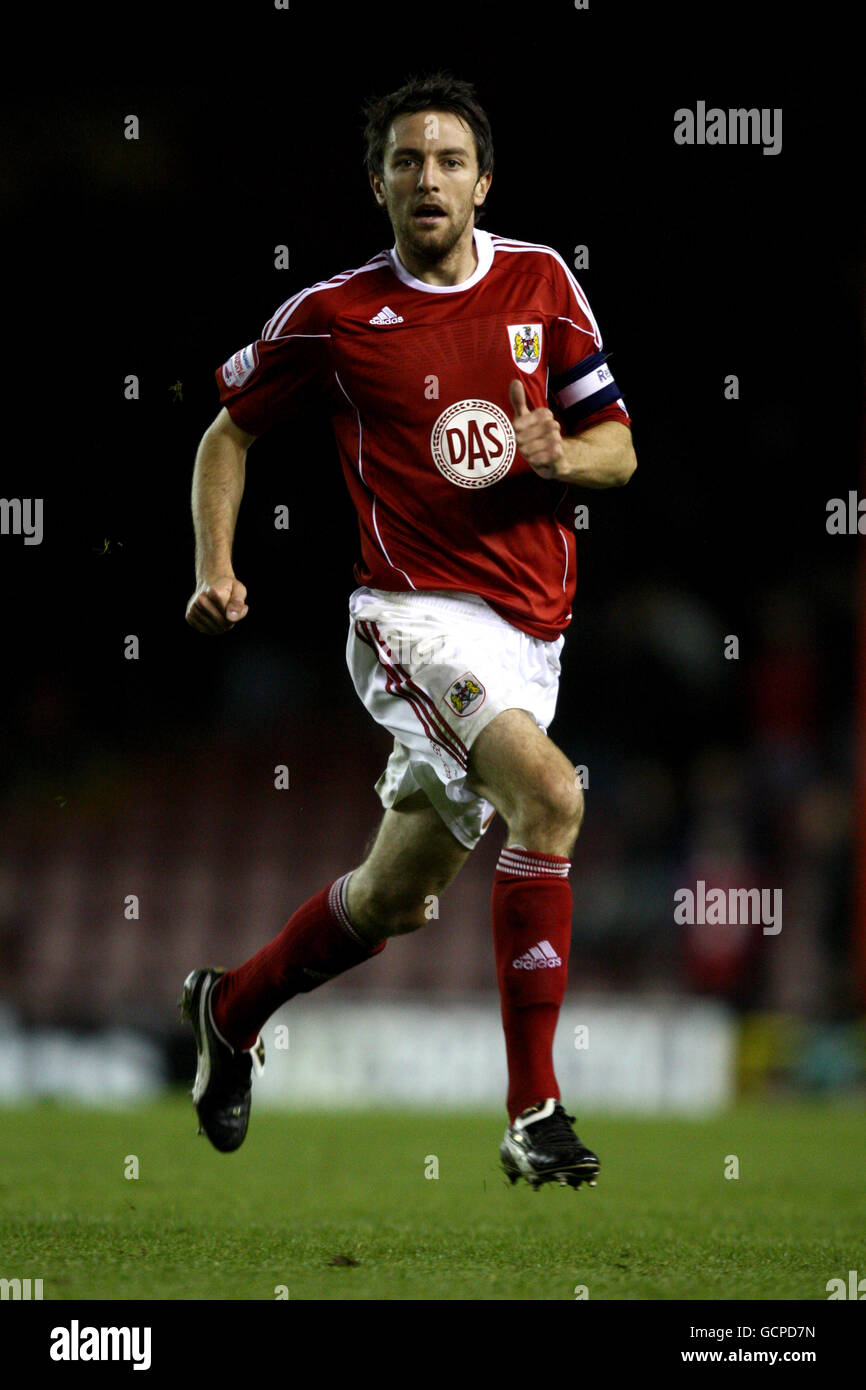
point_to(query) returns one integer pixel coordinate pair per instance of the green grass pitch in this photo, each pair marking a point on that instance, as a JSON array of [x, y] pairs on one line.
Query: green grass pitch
[[337, 1206]]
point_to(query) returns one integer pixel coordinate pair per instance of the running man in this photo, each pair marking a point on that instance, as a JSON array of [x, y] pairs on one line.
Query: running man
[[464, 376]]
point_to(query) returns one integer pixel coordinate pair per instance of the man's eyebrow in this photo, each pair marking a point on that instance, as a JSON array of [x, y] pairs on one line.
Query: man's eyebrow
[[408, 149]]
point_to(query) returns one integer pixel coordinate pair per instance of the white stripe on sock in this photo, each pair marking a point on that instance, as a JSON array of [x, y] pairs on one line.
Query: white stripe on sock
[[337, 904], [523, 864]]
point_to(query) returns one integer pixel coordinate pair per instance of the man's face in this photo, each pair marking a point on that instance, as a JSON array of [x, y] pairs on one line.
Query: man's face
[[430, 185]]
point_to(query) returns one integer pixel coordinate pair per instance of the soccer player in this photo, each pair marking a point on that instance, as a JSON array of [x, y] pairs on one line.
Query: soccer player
[[464, 377]]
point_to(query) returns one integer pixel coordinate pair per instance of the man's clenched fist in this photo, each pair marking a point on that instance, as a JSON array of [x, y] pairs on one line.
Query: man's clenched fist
[[217, 606], [538, 434]]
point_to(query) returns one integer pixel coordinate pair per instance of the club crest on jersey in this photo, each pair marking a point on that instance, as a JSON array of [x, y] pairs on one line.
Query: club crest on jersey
[[473, 443], [239, 367], [466, 695], [525, 341]]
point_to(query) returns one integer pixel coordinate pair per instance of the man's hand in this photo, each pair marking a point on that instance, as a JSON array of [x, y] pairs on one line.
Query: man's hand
[[217, 606], [538, 434], [601, 456]]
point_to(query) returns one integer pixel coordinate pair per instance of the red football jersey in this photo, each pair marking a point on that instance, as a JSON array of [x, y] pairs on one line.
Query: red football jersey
[[415, 379]]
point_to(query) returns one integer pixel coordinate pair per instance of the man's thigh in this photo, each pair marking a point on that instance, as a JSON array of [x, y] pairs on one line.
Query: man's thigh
[[413, 855], [513, 763], [436, 670]]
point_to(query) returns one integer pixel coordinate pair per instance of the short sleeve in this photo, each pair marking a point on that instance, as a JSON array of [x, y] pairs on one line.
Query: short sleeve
[[287, 370], [580, 385]]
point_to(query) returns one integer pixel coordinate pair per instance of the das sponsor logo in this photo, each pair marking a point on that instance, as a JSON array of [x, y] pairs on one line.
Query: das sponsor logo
[[473, 444]]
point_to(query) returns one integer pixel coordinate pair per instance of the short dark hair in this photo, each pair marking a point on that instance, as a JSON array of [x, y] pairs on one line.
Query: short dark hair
[[438, 91]]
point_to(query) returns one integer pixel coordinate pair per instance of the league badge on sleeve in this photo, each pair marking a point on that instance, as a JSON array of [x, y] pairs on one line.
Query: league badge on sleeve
[[239, 367], [525, 342]]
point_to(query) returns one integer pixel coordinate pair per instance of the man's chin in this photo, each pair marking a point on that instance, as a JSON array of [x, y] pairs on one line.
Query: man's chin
[[434, 242]]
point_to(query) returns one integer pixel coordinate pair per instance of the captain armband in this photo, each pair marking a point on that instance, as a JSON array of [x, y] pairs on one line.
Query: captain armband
[[583, 389]]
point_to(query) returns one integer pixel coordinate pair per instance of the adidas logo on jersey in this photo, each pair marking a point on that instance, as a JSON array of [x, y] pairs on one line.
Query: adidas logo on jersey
[[540, 957], [387, 315]]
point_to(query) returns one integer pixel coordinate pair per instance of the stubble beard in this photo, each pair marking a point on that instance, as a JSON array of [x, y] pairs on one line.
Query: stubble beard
[[431, 251]]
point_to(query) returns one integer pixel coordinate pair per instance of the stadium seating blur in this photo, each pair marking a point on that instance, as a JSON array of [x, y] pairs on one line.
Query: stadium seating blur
[[131, 865]]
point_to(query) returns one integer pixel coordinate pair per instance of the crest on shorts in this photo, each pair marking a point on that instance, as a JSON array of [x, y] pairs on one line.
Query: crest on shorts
[[525, 341], [466, 695]]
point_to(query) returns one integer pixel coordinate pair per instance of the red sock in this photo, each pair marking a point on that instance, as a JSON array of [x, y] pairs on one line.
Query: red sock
[[531, 938], [317, 943]]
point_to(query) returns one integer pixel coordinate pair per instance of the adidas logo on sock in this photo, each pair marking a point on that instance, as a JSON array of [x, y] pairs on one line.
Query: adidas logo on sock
[[540, 957], [387, 315]]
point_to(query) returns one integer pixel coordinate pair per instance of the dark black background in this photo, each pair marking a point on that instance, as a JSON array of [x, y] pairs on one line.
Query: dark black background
[[156, 258]]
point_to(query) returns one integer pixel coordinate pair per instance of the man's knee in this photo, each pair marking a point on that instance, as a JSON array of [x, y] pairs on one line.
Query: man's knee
[[528, 779], [552, 805]]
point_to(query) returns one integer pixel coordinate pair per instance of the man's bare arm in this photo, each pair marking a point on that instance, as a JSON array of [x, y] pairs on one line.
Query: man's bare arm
[[219, 601], [602, 456]]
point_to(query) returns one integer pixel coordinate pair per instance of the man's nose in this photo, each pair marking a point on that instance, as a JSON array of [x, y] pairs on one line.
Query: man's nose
[[427, 173]]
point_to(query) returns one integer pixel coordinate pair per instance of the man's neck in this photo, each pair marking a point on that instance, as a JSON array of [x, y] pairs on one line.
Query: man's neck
[[459, 265]]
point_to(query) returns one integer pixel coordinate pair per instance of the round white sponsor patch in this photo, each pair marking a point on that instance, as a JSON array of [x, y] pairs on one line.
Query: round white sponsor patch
[[473, 444]]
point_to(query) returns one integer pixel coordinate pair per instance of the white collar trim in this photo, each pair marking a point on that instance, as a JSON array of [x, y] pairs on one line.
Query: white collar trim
[[484, 251]]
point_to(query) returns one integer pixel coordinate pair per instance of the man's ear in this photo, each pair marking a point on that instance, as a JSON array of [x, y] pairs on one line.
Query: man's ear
[[482, 188], [376, 185]]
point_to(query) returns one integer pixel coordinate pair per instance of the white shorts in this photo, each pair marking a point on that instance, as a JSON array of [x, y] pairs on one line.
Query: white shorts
[[433, 668]]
